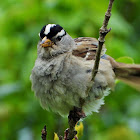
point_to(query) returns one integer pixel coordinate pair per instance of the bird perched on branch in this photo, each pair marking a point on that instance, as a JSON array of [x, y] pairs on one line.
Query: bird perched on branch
[[62, 72]]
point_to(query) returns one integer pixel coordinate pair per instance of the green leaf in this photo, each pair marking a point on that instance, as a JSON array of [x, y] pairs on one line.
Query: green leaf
[[125, 59]]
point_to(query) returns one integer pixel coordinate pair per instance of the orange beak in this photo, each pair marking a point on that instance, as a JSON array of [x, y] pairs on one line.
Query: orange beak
[[46, 42]]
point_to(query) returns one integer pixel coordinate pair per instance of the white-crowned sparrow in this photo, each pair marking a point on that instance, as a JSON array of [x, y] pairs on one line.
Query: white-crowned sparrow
[[62, 72]]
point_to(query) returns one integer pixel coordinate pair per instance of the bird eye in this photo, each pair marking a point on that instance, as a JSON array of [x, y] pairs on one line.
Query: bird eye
[[59, 38]]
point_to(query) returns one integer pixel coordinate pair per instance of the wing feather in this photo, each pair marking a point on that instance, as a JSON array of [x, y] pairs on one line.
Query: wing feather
[[86, 47]]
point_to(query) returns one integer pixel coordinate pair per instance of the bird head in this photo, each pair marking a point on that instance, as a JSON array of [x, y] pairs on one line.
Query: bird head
[[54, 40]]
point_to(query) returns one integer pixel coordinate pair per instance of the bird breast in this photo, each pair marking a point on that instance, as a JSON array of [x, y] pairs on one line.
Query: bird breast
[[61, 83]]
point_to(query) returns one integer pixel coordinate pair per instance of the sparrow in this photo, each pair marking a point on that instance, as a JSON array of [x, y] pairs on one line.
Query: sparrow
[[63, 71]]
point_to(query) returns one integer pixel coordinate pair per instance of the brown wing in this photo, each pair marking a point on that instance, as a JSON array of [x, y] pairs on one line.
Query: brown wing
[[86, 47]]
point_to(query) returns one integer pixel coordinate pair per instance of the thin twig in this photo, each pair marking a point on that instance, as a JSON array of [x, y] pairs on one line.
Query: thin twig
[[102, 33], [44, 133], [66, 134], [60, 138], [76, 138]]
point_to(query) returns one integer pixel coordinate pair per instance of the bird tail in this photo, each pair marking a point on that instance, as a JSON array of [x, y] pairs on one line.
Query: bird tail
[[128, 73]]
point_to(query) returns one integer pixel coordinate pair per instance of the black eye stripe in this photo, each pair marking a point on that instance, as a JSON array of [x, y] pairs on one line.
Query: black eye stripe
[[59, 37]]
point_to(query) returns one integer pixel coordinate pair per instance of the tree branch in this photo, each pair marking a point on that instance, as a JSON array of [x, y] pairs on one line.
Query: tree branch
[[74, 116], [44, 133], [102, 33]]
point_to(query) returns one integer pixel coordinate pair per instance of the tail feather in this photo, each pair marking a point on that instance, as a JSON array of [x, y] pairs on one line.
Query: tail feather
[[128, 73]]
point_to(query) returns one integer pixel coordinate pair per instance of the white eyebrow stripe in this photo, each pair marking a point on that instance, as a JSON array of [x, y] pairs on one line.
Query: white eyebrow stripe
[[48, 27], [61, 33]]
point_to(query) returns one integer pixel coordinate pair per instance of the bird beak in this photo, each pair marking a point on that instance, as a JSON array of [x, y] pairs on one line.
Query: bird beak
[[46, 42]]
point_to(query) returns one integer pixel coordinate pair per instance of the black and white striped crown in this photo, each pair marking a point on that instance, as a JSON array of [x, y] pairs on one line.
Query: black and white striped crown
[[52, 30]]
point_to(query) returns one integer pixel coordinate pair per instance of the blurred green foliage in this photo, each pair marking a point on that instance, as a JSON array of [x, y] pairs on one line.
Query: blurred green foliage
[[21, 116]]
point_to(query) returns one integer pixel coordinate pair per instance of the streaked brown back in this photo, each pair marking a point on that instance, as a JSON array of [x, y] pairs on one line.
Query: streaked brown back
[[86, 47]]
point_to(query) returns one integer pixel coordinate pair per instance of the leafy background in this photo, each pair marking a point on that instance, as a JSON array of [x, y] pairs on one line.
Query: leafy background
[[21, 116]]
